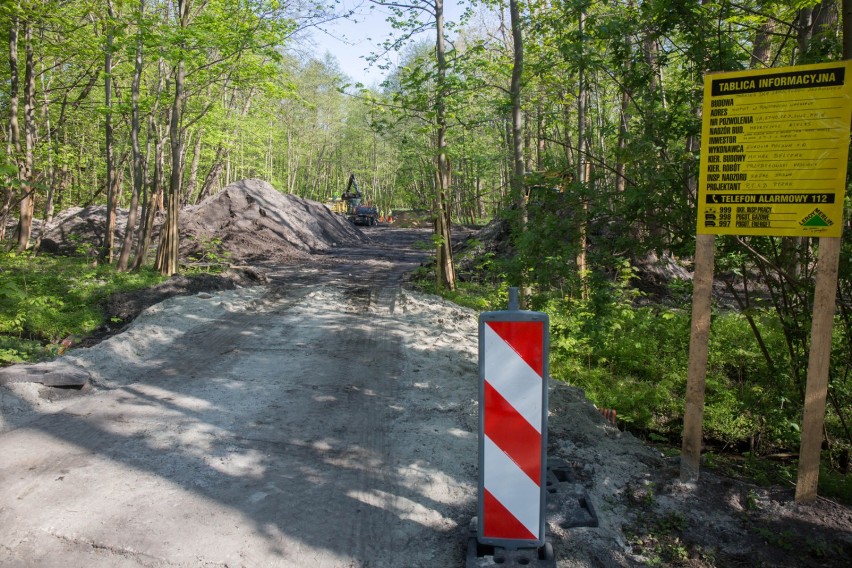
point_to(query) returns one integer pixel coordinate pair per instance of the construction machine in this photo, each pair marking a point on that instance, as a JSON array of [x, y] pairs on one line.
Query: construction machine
[[350, 205]]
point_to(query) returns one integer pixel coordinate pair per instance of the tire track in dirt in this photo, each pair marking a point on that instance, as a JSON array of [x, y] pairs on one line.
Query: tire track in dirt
[[376, 369]]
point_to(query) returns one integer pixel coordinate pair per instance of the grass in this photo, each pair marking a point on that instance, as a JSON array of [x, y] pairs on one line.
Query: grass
[[45, 299]]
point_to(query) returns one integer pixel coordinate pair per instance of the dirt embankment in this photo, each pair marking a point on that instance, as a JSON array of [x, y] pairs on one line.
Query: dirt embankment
[[250, 221]]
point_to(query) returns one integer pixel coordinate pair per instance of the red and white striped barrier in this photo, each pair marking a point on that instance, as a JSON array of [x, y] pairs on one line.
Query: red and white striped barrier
[[513, 428]]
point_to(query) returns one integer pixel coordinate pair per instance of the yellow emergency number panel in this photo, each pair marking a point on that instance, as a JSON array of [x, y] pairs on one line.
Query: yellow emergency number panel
[[774, 146]]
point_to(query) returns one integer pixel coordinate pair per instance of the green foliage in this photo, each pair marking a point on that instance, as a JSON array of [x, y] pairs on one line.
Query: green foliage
[[16, 350], [211, 257], [659, 538], [44, 299], [835, 484], [628, 358], [545, 252], [748, 465], [634, 358], [480, 297]]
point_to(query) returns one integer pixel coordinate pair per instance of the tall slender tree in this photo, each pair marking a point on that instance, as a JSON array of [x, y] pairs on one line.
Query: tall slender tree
[[406, 16], [27, 201], [14, 132]]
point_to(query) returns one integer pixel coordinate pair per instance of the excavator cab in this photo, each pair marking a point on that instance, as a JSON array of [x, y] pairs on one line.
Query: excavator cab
[[352, 195]]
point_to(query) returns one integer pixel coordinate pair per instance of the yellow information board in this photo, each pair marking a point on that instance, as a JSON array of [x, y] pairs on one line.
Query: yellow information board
[[774, 147]]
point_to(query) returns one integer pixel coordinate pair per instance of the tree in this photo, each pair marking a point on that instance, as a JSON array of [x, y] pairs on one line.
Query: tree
[[109, 138], [518, 126], [135, 126], [406, 16], [27, 162], [14, 136]]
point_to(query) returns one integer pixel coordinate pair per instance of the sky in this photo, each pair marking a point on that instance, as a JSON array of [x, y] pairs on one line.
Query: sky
[[350, 40]]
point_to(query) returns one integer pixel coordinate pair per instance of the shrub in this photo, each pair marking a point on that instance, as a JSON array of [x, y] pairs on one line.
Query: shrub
[[44, 299]]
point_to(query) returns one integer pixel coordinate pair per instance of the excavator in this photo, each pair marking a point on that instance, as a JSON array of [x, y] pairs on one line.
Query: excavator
[[350, 205]]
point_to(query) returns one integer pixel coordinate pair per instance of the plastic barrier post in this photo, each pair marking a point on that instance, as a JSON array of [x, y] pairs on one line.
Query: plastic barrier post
[[513, 374]]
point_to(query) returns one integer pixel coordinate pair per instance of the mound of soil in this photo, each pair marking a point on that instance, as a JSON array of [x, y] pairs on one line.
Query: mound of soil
[[253, 222], [79, 230], [492, 240], [247, 221]]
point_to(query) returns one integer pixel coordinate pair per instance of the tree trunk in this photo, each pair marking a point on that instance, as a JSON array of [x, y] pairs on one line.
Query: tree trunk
[[167, 254], [138, 179], [624, 119], [517, 136], [847, 29], [49, 136], [156, 193], [582, 157], [193, 169], [620, 164], [27, 189], [445, 266], [761, 54], [825, 17], [14, 141], [153, 196], [111, 189], [814, 23], [51, 172]]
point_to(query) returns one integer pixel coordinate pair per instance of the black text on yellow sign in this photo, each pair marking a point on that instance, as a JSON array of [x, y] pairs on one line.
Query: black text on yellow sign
[[774, 147]]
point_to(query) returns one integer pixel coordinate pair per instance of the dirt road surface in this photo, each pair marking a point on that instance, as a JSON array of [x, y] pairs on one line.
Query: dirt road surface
[[294, 425]]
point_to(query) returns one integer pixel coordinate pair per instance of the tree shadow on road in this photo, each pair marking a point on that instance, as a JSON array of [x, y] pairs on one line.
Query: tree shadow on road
[[265, 444]]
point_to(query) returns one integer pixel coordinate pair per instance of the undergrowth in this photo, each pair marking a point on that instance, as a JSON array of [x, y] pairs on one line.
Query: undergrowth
[[633, 358], [45, 299]]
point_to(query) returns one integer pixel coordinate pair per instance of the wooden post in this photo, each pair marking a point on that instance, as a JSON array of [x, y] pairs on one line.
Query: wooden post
[[818, 365], [702, 292]]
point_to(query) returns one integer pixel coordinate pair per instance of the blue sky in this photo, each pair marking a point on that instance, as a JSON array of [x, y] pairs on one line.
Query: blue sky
[[349, 41]]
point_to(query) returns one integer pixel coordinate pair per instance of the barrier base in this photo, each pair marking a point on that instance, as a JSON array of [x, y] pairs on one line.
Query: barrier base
[[484, 555], [568, 503], [568, 506]]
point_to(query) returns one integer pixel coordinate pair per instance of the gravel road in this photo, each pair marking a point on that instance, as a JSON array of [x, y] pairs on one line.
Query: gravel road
[[327, 419]]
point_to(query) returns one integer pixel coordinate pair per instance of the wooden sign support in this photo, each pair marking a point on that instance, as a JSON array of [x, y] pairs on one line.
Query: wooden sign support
[[702, 293], [819, 358]]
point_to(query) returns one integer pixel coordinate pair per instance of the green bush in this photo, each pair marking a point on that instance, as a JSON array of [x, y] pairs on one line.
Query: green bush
[[44, 299], [634, 359], [629, 358]]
